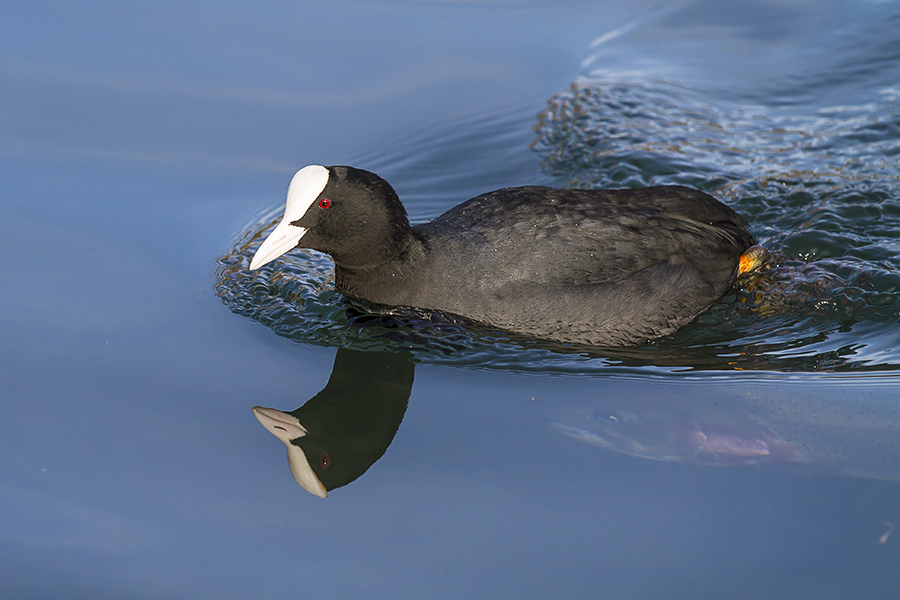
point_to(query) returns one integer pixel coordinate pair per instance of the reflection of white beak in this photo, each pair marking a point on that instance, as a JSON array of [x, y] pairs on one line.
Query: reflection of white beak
[[282, 425], [286, 427], [282, 239], [305, 187]]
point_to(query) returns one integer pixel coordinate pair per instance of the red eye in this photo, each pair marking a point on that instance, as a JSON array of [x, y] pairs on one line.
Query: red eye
[[325, 460], [324, 203]]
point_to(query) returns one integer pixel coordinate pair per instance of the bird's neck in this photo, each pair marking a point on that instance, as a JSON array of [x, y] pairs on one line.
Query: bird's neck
[[376, 275]]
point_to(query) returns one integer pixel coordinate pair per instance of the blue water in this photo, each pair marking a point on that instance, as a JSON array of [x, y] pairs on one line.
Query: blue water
[[146, 148]]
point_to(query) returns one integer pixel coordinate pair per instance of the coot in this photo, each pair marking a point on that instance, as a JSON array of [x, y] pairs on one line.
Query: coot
[[598, 267]]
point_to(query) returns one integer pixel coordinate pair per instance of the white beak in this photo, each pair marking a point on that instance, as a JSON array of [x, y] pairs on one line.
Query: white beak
[[283, 238], [305, 187]]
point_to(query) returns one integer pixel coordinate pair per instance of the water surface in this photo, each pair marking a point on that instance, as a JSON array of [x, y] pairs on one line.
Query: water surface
[[145, 151]]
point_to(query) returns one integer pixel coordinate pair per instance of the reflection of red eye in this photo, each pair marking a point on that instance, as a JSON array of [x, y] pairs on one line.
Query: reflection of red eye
[[324, 203], [325, 461]]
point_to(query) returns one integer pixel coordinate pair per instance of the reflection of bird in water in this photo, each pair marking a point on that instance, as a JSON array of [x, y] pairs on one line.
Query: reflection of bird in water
[[341, 431]]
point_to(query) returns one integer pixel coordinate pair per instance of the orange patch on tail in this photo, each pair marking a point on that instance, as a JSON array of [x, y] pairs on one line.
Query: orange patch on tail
[[752, 259]]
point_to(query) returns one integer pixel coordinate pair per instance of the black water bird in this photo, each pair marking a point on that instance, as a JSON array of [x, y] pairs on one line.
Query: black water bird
[[598, 267]]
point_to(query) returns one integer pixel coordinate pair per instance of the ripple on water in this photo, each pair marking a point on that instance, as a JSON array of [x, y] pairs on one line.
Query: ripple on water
[[819, 190]]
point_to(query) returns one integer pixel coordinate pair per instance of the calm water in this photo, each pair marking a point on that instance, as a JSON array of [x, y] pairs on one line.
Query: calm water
[[145, 152]]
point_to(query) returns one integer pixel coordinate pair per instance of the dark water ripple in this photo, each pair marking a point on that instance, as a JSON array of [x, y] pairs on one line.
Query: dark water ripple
[[819, 188]]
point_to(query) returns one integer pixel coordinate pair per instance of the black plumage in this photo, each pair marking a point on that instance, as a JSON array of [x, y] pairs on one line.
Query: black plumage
[[601, 267]]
